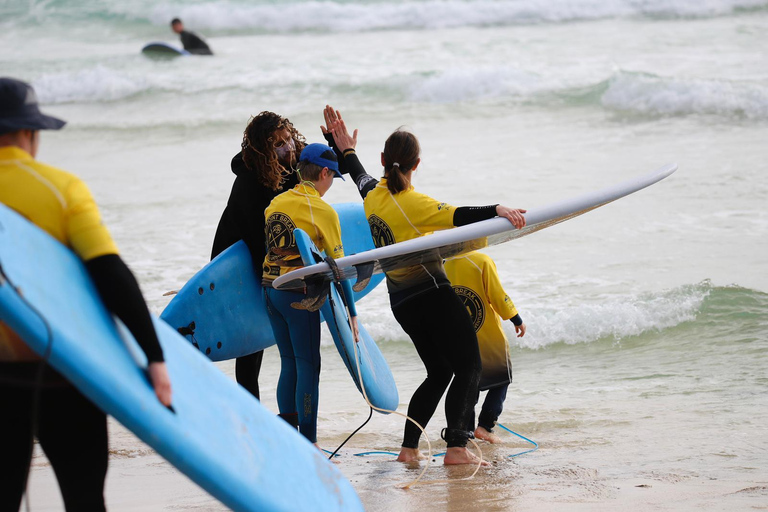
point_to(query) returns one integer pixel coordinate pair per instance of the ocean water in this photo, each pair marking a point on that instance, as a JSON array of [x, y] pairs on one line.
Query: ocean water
[[647, 319]]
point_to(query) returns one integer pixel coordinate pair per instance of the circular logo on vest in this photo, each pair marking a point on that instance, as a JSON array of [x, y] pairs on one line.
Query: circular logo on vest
[[382, 234], [473, 304], [279, 232]]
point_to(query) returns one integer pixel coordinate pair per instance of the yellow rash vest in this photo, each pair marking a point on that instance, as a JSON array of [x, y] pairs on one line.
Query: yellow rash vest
[[57, 202], [475, 280], [398, 217], [301, 207]]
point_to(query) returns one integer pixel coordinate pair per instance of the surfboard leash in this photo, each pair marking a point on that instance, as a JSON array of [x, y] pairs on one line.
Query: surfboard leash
[[373, 407], [408, 418], [534, 443], [370, 415], [35, 416]]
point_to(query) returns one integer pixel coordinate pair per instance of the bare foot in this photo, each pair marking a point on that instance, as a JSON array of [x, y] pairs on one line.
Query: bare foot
[[457, 455], [410, 455], [481, 433]]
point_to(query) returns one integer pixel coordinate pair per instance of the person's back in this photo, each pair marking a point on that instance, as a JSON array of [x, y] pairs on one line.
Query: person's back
[[476, 282], [302, 208]]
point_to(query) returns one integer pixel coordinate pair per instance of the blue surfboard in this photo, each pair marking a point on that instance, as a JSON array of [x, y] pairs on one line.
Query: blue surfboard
[[380, 387], [163, 50], [219, 435], [221, 310]]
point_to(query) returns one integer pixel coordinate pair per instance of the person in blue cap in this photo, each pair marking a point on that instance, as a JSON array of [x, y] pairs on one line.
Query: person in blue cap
[[71, 430], [297, 331]]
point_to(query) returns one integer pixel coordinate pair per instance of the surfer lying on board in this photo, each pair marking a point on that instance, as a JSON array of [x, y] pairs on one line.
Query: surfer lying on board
[[34, 399], [477, 284], [264, 169], [296, 328], [422, 300], [191, 41]]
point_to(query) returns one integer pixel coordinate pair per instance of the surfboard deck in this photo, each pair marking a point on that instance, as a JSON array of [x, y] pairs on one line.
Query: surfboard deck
[[221, 309], [464, 239], [161, 49], [219, 436], [377, 378]]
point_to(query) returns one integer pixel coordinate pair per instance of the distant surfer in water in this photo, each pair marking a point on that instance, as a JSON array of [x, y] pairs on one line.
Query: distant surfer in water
[[263, 168], [295, 322], [421, 296], [476, 282], [71, 430], [191, 41]]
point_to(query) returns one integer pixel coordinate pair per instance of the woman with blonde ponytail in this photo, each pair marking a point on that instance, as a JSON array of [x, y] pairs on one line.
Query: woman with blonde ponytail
[[421, 296]]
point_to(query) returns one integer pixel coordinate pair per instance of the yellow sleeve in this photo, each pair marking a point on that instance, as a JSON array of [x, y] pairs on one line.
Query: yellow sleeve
[[330, 230], [498, 298], [429, 214], [86, 233]]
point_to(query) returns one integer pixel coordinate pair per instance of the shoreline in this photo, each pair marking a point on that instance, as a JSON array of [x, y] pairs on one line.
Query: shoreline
[[139, 479]]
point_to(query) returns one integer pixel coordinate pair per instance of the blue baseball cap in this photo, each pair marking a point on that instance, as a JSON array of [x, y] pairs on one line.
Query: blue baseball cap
[[19, 110], [322, 155]]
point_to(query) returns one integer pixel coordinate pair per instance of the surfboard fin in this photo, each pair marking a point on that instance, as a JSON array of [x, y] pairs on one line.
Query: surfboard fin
[[364, 273], [317, 294]]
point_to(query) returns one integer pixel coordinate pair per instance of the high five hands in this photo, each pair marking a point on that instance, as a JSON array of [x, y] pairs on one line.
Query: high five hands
[[334, 124]]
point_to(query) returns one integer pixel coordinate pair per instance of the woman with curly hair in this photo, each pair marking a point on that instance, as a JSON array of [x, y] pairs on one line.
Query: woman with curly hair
[[263, 169]]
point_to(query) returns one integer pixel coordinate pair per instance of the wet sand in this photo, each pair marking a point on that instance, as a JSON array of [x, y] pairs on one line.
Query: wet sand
[[139, 479]]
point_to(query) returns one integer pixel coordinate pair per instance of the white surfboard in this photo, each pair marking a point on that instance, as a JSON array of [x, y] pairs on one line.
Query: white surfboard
[[464, 239]]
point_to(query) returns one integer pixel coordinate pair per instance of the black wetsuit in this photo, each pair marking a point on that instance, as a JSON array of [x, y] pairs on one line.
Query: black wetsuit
[[193, 44], [442, 333], [243, 219]]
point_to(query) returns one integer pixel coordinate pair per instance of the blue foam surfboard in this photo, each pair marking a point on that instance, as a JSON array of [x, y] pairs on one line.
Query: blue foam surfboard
[[161, 49], [221, 309], [219, 435], [380, 387]]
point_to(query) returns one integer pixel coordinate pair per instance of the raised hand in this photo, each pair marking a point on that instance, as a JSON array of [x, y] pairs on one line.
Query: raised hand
[[334, 124]]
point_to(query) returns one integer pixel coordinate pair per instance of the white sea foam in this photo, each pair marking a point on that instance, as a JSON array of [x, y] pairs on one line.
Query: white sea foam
[[615, 317], [655, 96], [431, 14], [98, 83], [474, 83]]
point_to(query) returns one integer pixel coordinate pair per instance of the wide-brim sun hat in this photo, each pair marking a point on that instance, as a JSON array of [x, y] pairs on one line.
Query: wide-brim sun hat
[[19, 108]]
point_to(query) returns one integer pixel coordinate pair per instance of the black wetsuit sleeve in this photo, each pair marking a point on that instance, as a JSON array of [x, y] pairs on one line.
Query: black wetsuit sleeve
[[364, 181], [517, 320], [350, 164], [121, 295], [470, 214]]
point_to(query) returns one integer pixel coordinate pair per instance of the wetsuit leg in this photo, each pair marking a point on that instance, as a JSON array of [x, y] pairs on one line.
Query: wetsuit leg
[[492, 407], [286, 383], [73, 435], [304, 335], [442, 332], [247, 369], [15, 437]]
